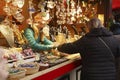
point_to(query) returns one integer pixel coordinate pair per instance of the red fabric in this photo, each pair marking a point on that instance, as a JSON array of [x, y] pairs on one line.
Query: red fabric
[[65, 3], [115, 4], [59, 72]]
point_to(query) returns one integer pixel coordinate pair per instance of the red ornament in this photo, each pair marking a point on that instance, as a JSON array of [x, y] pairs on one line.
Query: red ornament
[[65, 3]]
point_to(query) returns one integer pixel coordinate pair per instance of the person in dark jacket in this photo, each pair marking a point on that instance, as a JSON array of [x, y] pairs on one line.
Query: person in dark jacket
[[115, 26], [97, 59]]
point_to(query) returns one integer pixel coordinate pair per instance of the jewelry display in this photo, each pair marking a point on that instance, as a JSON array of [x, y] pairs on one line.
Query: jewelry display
[[14, 8]]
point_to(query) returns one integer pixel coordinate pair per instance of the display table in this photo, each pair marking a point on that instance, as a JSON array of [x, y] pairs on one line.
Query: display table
[[55, 71]]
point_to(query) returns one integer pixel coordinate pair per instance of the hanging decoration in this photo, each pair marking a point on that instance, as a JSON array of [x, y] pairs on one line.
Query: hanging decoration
[[14, 8], [31, 8], [20, 3], [65, 3], [50, 4], [7, 32], [7, 1], [70, 11]]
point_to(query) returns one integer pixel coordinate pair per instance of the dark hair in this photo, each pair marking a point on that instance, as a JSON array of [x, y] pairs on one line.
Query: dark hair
[[117, 18], [116, 14], [95, 23]]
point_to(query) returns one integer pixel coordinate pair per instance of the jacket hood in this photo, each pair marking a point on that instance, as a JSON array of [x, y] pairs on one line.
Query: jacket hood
[[98, 32]]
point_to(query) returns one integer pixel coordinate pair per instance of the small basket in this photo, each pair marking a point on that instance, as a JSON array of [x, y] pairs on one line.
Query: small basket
[[32, 70], [43, 66], [18, 75]]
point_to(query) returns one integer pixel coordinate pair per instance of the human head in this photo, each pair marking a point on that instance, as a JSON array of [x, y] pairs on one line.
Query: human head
[[40, 20], [94, 23], [117, 18], [116, 14], [42, 17]]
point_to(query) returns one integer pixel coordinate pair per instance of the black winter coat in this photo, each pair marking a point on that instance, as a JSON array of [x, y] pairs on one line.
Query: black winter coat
[[115, 28], [97, 61]]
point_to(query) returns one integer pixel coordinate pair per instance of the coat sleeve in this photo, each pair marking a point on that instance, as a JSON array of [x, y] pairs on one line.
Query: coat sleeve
[[29, 34], [74, 47], [118, 52], [47, 41]]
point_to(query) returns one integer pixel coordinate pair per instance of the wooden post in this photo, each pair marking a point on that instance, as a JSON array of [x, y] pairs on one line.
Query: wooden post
[[105, 8]]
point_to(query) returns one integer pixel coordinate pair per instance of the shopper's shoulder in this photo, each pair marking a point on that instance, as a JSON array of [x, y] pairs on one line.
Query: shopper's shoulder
[[84, 38], [116, 24], [117, 37]]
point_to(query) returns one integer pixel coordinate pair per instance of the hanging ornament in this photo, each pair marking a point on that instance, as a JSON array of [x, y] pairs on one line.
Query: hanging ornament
[[83, 4], [7, 31], [79, 10], [31, 8], [14, 3], [20, 3], [50, 4], [7, 10], [72, 4], [7, 1], [65, 3], [73, 18], [19, 17], [68, 2]]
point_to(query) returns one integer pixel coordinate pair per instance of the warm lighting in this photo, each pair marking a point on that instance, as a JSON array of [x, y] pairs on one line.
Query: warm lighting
[[101, 17]]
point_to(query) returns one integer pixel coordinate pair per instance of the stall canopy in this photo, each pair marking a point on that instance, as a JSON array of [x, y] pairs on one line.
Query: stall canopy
[[115, 4]]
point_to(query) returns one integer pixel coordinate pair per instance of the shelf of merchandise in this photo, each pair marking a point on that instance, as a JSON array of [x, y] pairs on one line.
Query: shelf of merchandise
[[55, 71]]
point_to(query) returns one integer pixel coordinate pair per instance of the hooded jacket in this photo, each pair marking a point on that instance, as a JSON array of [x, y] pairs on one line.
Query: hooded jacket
[[97, 61]]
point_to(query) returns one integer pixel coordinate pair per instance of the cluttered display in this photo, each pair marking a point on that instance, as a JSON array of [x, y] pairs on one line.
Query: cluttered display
[[21, 59], [22, 62]]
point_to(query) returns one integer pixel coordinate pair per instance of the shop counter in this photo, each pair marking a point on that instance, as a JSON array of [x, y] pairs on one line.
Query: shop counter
[[55, 71]]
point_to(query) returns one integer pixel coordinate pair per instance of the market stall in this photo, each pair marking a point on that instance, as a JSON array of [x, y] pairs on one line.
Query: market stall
[[68, 24], [56, 71]]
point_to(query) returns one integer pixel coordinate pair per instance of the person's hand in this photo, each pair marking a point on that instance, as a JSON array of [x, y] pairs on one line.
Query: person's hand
[[56, 44], [55, 52], [64, 54]]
